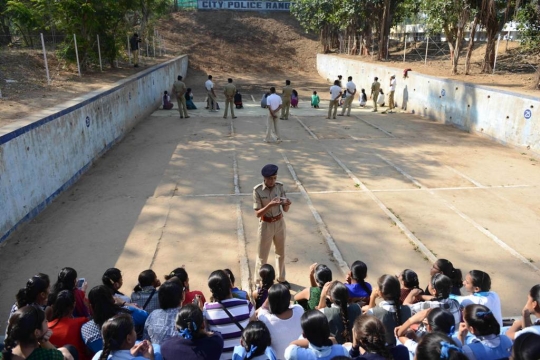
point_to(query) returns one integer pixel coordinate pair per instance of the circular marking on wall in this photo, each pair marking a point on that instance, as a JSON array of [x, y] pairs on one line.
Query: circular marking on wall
[[88, 121], [527, 114], [443, 92]]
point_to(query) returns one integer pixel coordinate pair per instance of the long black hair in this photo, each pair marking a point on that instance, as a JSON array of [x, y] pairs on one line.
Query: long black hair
[[442, 285], [189, 322], [391, 291], [441, 320], [255, 339], [35, 286], [179, 273], [480, 279], [268, 275], [481, 319], [63, 305], [340, 297], [65, 281], [146, 278], [410, 279], [322, 275], [315, 328], [279, 299], [448, 269], [437, 346], [371, 335], [526, 347], [359, 273], [115, 332], [21, 327], [103, 305], [220, 285], [111, 276]]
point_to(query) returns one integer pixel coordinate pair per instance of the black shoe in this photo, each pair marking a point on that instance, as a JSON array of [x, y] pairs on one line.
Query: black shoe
[[286, 283], [181, 117]]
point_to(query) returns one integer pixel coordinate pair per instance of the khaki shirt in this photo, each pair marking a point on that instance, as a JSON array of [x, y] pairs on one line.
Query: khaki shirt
[[375, 87], [179, 88], [262, 195], [287, 92], [229, 90]]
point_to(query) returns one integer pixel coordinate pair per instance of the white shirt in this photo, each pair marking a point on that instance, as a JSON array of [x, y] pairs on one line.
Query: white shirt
[[273, 101], [334, 92], [393, 84], [535, 329], [489, 299], [351, 88], [209, 85], [282, 332]]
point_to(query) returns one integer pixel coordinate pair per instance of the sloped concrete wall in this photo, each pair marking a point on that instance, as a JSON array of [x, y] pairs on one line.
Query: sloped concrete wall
[[43, 155], [507, 117]]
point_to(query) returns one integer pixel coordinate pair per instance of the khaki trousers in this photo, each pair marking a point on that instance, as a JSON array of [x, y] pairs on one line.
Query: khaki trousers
[[347, 104], [213, 98], [182, 109], [271, 233], [285, 108], [375, 98], [333, 104], [272, 126], [135, 57], [229, 102], [391, 104]]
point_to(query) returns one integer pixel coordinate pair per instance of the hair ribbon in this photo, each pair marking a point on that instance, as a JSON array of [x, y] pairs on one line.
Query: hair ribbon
[[452, 330], [445, 349], [186, 334], [252, 350], [482, 314]]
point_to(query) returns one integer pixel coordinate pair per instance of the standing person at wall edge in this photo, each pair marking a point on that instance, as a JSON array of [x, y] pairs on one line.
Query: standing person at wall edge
[[286, 99], [335, 94], [179, 89], [350, 91], [392, 90], [212, 98], [134, 45]]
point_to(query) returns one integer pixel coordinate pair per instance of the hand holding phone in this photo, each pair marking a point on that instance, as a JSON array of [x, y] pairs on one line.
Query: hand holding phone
[[80, 282]]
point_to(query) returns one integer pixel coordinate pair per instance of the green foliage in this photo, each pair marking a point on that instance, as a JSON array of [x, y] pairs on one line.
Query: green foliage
[[528, 18]]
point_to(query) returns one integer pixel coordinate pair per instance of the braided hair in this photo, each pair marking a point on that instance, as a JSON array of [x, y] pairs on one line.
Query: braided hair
[[255, 339], [189, 322], [359, 274], [340, 297], [442, 285], [322, 275], [371, 335], [268, 275], [391, 291], [66, 281], [115, 332], [110, 277], [447, 268], [21, 327], [63, 305], [220, 285]]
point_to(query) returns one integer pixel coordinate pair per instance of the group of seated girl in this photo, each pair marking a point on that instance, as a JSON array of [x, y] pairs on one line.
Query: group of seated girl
[[330, 319]]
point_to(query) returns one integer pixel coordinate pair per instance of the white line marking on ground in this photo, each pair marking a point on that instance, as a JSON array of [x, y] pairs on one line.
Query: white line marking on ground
[[232, 128], [241, 236], [307, 129], [465, 217], [471, 180], [375, 126], [322, 226], [252, 98], [427, 253]]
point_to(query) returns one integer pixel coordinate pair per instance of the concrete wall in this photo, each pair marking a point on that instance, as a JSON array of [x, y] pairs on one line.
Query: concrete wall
[[43, 155], [507, 117]]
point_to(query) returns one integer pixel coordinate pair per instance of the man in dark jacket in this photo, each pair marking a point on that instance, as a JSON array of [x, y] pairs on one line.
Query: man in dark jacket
[[134, 45]]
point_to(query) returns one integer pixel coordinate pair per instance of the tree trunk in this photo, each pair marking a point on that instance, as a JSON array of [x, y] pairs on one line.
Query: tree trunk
[[489, 57], [470, 48], [383, 34]]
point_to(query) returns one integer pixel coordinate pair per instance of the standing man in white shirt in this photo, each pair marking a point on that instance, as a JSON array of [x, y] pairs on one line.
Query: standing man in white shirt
[[391, 105], [350, 91], [335, 93], [274, 104], [210, 92]]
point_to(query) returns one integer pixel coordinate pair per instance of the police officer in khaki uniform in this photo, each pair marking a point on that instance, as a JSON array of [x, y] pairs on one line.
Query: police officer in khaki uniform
[[375, 87], [269, 203], [286, 99], [179, 89], [229, 91]]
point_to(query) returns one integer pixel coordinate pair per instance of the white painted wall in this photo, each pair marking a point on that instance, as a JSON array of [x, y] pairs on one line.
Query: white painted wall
[[497, 114], [43, 155]]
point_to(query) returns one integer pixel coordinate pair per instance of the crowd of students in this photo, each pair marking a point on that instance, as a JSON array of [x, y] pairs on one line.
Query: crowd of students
[[452, 318]]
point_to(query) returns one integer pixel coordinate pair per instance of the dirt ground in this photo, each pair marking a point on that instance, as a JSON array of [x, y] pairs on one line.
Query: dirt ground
[[255, 47]]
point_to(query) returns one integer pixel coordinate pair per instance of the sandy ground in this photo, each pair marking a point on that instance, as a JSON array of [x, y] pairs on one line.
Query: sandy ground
[[165, 197]]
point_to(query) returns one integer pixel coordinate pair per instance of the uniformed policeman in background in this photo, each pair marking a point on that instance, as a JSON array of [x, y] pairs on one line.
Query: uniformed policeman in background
[[229, 90], [286, 99], [269, 203], [179, 89]]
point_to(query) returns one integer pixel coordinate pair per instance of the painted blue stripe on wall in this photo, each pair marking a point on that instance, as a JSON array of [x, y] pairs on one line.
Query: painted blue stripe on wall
[[24, 129]]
